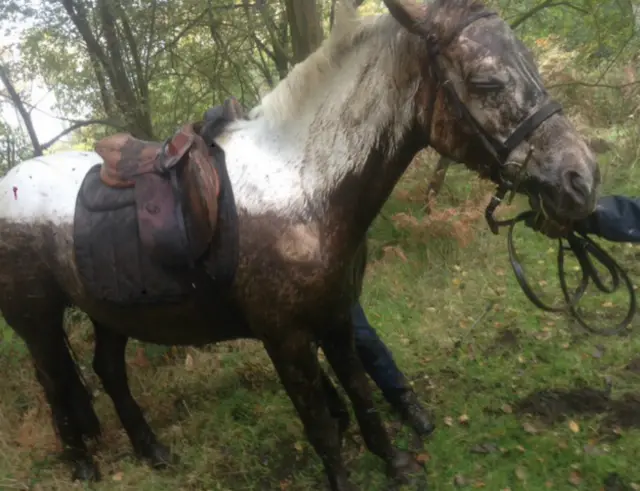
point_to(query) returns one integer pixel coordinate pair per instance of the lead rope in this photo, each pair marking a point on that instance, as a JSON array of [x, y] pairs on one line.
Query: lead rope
[[584, 249]]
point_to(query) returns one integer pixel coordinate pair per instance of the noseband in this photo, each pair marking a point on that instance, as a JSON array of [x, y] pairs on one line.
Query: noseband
[[582, 247]]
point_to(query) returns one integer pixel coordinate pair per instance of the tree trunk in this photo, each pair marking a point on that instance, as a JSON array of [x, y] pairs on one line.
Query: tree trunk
[[305, 25]]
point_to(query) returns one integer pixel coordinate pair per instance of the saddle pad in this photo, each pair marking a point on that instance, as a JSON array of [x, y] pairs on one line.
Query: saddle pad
[[109, 257]]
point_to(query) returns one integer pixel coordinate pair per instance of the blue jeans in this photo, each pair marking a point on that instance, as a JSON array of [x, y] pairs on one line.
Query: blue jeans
[[376, 357]]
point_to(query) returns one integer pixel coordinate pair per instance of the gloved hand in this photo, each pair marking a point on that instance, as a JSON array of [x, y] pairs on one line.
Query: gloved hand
[[588, 225], [616, 218]]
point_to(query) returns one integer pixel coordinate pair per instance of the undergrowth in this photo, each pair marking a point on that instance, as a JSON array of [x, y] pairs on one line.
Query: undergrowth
[[523, 399]]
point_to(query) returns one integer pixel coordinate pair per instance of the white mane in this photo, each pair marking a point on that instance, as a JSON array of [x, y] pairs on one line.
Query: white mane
[[321, 122]]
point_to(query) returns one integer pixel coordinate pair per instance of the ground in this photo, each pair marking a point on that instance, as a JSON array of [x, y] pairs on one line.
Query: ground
[[523, 399]]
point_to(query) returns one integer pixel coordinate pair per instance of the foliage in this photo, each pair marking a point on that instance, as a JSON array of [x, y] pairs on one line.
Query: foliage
[[429, 282], [224, 411]]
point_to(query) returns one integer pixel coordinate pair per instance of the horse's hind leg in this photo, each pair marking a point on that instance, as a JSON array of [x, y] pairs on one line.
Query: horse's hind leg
[[339, 347], [70, 403], [336, 404], [109, 365]]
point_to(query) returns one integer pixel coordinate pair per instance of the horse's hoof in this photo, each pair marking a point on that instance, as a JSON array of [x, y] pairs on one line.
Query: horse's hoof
[[85, 470], [342, 484], [159, 456], [406, 470]]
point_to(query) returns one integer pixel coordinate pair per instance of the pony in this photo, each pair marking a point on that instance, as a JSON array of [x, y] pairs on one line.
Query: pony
[[310, 168]]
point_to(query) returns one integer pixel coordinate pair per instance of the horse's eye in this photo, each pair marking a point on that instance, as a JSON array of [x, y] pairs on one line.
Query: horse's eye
[[489, 83]]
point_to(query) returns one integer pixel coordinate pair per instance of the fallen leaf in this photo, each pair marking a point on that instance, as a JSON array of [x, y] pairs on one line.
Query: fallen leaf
[[573, 426], [484, 448], [448, 420], [520, 473], [529, 428], [140, 359], [117, 476], [188, 362], [298, 446], [507, 409], [423, 458], [401, 254], [548, 484], [575, 478], [607, 304], [459, 481], [479, 484], [592, 450], [284, 485]]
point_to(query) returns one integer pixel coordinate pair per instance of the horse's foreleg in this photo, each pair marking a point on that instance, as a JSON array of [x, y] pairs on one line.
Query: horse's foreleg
[[339, 347], [109, 364], [297, 365]]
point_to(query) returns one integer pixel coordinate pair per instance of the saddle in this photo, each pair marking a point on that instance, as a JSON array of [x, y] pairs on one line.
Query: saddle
[[176, 189]]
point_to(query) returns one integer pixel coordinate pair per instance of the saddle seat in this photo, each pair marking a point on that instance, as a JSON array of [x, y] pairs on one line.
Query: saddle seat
[[126, 157], [176, 189]]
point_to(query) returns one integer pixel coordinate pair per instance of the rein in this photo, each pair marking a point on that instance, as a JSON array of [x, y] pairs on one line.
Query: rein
[[583, 248]]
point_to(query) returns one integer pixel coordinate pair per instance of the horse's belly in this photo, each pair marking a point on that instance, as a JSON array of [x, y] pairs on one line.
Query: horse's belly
[[175, 324]]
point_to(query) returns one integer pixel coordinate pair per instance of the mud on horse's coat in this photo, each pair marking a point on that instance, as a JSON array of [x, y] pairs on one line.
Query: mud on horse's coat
[[310, 169]]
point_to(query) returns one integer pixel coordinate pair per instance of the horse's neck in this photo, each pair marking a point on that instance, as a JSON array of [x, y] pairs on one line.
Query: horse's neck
[[350, 138]]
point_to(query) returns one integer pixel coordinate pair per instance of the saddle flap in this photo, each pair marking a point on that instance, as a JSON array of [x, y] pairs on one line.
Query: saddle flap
[[178, 211], [160, 221], [201, 190]]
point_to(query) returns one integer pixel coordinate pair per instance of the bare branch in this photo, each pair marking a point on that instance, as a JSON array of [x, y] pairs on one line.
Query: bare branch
[[594, 84], [81, 124], [17, 102], [541, 6]]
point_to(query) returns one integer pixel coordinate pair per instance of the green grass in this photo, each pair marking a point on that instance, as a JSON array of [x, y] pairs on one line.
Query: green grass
[[226, 415]]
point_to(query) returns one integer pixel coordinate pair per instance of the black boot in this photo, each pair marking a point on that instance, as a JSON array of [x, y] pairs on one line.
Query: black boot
[[412, 412]]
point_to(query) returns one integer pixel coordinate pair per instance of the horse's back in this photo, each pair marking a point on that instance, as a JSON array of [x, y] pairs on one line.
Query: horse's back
[[44, 189]]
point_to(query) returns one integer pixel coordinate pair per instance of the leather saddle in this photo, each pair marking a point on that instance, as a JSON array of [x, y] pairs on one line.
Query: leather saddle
[[176, 190]]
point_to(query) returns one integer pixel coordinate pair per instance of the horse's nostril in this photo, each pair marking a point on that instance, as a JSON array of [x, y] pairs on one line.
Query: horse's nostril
[[575, 184]]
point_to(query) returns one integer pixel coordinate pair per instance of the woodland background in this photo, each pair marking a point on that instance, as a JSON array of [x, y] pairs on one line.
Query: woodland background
[[523, 399]]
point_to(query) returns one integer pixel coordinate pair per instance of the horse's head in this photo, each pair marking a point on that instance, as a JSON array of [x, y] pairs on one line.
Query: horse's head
[[483, 103]]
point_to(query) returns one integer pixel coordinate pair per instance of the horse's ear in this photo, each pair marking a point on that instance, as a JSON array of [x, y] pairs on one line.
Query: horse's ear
[[345, 14], [407, 13]]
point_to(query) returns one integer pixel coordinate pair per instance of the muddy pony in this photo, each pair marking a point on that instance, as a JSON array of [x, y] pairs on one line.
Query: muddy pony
[[276, 238]]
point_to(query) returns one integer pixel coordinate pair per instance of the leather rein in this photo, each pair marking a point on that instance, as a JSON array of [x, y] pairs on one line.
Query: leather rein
[[583, 248]]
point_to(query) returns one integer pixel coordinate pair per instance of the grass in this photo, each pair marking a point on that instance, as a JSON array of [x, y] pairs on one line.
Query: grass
[[518, 394]]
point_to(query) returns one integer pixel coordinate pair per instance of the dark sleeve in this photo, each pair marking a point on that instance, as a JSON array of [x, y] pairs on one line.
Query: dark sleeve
[[616, 218]]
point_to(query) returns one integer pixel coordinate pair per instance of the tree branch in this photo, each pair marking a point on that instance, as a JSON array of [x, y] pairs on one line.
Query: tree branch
[[81, 124], [594, 84], [541, 6], [16, 100]]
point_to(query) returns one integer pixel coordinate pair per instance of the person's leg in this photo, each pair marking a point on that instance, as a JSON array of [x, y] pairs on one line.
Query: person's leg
[[379, 364]]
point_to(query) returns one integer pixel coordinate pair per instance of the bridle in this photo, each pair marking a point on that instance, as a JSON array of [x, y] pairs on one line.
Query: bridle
[[583, 248], [500, 151]]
